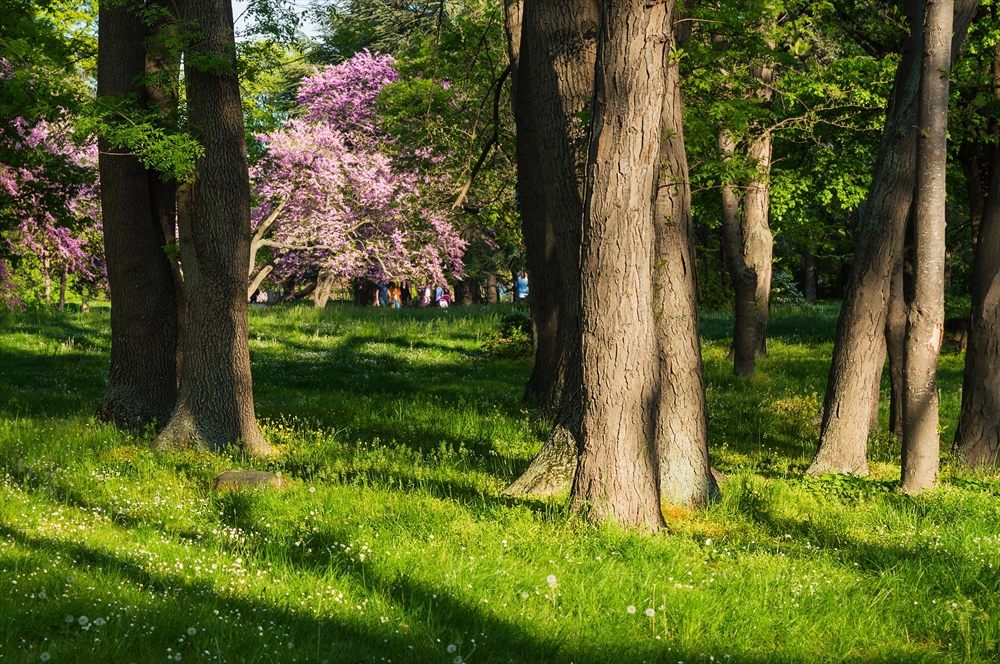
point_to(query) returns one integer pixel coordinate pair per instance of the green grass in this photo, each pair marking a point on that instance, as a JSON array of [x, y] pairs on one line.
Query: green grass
[[393, 541]]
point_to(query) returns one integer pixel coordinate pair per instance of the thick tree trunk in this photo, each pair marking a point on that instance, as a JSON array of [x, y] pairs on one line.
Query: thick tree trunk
[[856, 361], [142, 384], [616, 477], [977, 441], [324, 286], [743, 276], [758, 242], [215, 404], [492, 294], [555, 81], [685, 477], [925, 314]]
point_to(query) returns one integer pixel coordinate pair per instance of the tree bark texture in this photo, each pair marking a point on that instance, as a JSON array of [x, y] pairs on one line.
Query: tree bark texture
[[809, 278], [856, 361], [758, 242], [977, 441], [492, 294], [215, 403], [555, 81], [743, 275], [142, 384], [616, 477], [895, 335], [925, 314], [685, 477]]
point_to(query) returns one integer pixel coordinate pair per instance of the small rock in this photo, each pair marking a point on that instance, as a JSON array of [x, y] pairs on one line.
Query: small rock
[[238, 479]]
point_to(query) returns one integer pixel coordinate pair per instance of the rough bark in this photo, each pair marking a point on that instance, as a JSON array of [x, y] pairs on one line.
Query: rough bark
[[925, 314], [215, 402], [844, 435], [809, 278], [616, 477], [685, 477], [142, 383], [895, 333], [758, 242], [743, 276], [977, 440], [492, 294], [324, 286], [555, 81]]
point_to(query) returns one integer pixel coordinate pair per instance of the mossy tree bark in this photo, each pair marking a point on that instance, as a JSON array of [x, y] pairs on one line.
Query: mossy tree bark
[[925, 313], [215, 403], [142, 383]]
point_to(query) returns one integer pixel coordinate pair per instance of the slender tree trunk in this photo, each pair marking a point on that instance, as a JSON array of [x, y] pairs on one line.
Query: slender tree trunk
[[685, 476], [809, 278], [743, 276], [47, 279], [492, 295], [142, 383], [925, 315], [895, 334], [215, 405], [62, 289], [856, 361], [617, 474], [555, 81], [758, 242], [977, 441]]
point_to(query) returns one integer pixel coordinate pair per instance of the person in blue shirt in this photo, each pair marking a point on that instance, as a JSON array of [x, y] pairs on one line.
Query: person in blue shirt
[[383, 295], [521, 286]]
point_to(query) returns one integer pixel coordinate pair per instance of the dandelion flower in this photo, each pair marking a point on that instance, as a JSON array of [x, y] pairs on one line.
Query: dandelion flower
[[99, 622], [83, 620], [41, 595], [451, 648], [650, 612], [524, 595], [551, 580], [312, 489], [458, 660], [68, 619], [630, 609], [192, 631], [177, 657], [46, 656], [290, 646]]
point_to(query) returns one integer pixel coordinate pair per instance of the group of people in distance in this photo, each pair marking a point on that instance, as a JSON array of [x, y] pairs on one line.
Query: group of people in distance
[[397, 296]]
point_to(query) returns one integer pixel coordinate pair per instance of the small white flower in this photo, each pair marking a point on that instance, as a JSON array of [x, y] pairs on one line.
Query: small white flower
[[708, 542], [82, 620], [192, 631], [650, 612], [524, 595], [630, 609], [290, 646], [551, 580], [504, 542], [41, 595], [451, 648], [312, 489]]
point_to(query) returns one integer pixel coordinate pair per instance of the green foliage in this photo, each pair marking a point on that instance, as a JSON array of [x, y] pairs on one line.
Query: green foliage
[[513, 339], [784, 290]]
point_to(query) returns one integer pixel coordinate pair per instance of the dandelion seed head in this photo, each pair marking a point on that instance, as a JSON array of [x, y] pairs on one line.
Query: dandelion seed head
[[630, 609], [99, 622], [312, 489], [192, 631], [45, 656], [650, 612], [551, 580], [83, 620], [451, 648], [68, 619], [524, 595], [458, 660]]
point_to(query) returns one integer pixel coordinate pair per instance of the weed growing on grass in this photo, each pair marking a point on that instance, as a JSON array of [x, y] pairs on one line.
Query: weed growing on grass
[[393, 542]]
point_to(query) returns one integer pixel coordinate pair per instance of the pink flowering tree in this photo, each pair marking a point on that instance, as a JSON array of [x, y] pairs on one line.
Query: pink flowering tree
[[336, 199]]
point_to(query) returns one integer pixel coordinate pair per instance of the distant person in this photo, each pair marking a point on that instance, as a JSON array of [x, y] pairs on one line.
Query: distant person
[[375, 301], [383, 295], [425, 296], [445, 300], [521, 286], [438, 293], [501, 292], [395, 296]]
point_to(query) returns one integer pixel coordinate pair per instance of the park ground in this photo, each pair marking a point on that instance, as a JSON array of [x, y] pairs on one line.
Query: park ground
[[393, 541]]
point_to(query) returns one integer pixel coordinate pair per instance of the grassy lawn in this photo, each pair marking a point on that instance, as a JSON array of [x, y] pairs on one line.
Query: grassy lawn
[[393, 541]]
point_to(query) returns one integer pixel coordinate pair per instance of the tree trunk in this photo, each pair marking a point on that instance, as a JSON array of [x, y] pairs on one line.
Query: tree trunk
[[843, 440], [895, 333], [758, 242], [62, 289], [324, 285], [215, 404], [47, 278], [492, 294], [685, 477], [743, 276], [809, 278], [616, 477], [142, 383], [925, 314], [555, 82], [977, 441]]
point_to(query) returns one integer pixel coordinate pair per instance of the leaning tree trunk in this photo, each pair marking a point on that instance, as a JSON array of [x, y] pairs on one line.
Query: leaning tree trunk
[[685, 477], [743, 276], [925, 313], [857, 361], [616, 477], [215, 405], [977, 440], [142, 384], [555, 81], [895, 334]]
